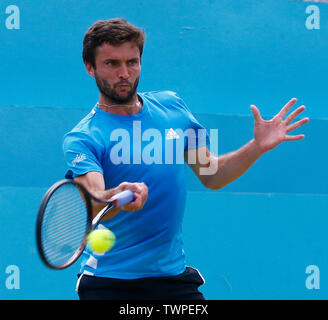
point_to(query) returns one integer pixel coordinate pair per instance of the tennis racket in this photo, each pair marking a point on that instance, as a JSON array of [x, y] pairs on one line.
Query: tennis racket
[[65, 220]]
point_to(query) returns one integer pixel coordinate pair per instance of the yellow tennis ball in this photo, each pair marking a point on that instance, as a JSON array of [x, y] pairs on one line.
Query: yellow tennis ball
[[101, 240]]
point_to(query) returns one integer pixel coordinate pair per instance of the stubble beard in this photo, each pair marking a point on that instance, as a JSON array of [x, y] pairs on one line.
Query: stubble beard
[[111, 95]]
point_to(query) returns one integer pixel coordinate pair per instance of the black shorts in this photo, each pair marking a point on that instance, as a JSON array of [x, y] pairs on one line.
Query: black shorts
[[181, 287]]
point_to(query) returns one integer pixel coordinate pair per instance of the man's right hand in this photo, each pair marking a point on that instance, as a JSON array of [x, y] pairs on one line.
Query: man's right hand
[[94, 182], [140, 195]]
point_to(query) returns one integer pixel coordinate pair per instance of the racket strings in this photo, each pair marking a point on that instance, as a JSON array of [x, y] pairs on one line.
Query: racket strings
[[64, 224]]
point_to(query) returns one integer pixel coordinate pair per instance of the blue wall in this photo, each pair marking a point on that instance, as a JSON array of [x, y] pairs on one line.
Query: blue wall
[[251, 240]]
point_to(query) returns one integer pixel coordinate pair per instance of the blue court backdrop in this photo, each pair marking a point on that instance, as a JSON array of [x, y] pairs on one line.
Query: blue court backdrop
[[264, 236]]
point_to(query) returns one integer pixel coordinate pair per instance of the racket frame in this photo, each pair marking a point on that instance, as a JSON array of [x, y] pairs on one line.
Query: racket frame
[[91, 223]]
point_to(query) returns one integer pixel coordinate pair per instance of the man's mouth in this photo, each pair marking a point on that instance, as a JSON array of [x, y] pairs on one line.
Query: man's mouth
[[124, 85]]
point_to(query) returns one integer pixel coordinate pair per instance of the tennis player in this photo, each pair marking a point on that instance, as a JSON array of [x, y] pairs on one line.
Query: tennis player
[[125, 142]]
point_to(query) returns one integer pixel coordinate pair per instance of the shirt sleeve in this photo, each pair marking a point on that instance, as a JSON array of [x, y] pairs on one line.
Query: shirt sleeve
[[196, 134], [81, 153]]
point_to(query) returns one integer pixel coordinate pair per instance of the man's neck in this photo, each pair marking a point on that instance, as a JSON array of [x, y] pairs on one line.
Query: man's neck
[[131, 107]]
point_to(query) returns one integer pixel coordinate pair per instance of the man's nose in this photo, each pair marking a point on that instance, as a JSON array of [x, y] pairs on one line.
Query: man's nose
[[123, 72]]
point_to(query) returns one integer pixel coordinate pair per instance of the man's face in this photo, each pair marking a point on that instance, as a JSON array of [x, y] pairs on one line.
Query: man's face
[[117, 71]]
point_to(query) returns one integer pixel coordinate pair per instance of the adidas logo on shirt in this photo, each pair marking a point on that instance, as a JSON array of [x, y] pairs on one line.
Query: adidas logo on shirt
[[171, 134]]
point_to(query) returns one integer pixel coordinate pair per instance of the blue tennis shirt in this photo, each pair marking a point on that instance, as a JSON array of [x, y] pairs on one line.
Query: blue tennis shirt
[[145, 147]]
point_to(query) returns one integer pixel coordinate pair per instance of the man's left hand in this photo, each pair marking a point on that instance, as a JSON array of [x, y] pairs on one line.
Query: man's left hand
[[270, 133]]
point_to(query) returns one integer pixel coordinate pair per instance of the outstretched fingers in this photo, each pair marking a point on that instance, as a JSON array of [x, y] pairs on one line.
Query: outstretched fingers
[[294, 114], [286, 108], [256, 113], [297, 124], [294, 138]]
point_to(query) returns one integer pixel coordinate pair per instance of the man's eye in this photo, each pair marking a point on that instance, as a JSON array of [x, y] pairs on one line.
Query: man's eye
[[111, 63], [132, 62]]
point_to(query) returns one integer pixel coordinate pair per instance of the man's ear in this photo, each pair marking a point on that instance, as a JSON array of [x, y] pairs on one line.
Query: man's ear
[[90, 69]]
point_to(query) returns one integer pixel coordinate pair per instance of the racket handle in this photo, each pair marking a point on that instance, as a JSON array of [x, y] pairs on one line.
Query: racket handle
[[122, 198]]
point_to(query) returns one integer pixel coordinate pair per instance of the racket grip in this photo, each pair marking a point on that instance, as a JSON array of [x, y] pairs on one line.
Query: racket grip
[[122, 198]]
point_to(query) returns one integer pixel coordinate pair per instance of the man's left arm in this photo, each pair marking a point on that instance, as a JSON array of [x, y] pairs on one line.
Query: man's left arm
[[216, 172]]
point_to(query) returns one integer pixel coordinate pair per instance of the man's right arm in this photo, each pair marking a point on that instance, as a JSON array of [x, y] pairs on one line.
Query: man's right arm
[[94, 182]]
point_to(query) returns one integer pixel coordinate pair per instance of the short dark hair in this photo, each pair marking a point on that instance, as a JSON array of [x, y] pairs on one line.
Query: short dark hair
[[114, 32]]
